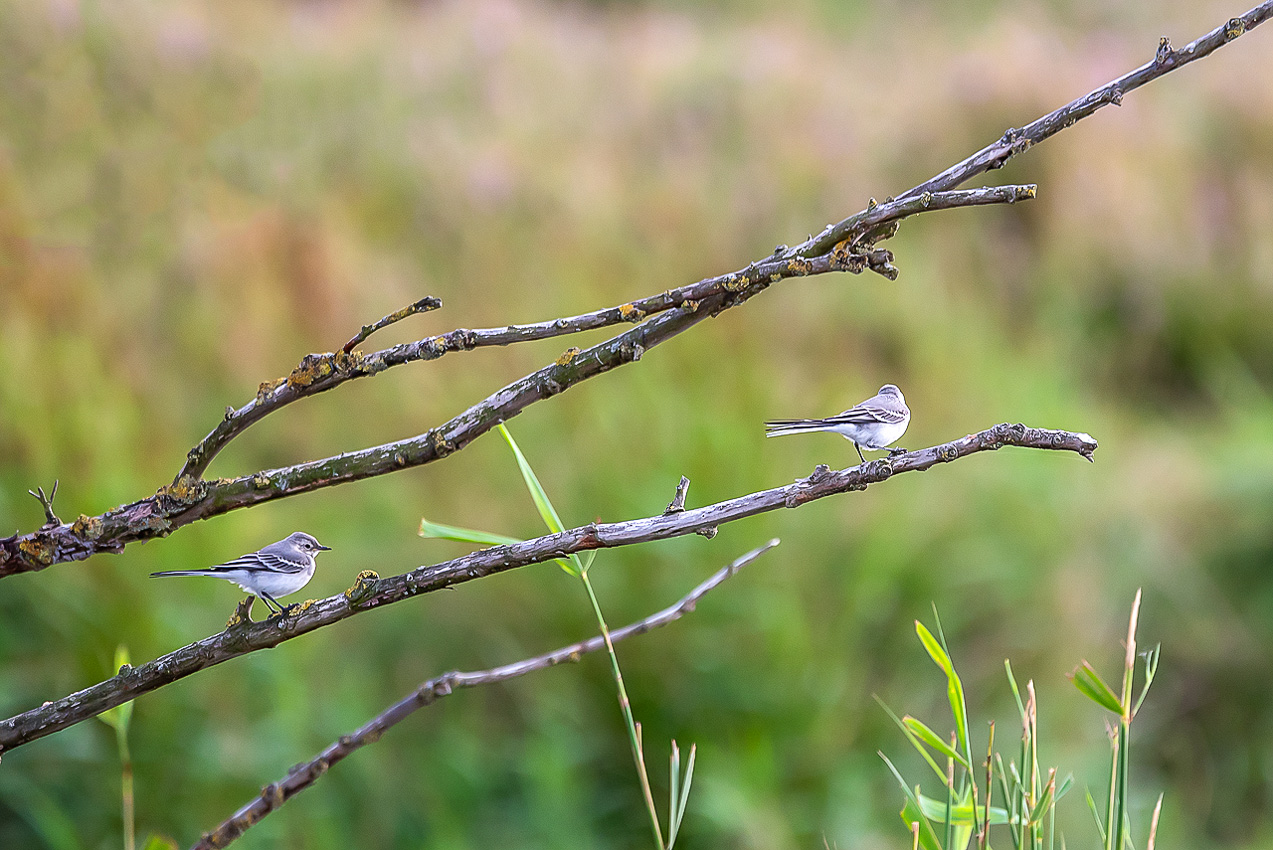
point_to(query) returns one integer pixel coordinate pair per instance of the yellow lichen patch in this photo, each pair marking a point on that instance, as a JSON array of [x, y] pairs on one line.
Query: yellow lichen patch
[[87, 527], [306, 605], [566, 356], [268, 387], [735, 282], [157, 524], [631, 313], [348, 362], [186, 489], [799, 265], [38, 548], [362, 587], [242, 614], [260, 481], [312, 368], [441, 444]]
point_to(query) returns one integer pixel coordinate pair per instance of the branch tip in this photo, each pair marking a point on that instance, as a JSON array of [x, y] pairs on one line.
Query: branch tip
[[424, 305], [677, 504], [50, 518]]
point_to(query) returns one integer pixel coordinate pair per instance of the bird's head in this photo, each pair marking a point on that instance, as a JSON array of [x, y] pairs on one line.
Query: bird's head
[[306, 543], [891, 389]]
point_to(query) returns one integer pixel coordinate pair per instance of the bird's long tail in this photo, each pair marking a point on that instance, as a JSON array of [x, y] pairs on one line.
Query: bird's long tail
[[783, 427], [184, 573]]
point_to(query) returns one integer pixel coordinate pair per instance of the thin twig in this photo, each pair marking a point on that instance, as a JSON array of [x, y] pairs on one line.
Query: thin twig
[[46, 502], [242, 638], [304, 775], [424, 305], [678, 501]]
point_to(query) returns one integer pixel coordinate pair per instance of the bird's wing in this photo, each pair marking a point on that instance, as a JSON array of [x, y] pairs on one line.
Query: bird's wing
[[266, 561], [867, 412]]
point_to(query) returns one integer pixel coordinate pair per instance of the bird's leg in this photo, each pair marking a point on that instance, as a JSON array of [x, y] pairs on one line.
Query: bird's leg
[[271, 603], [859, 448], [896, 452], [283, 610]]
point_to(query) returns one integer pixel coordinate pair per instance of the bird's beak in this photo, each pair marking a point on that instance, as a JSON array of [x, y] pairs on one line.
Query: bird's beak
[[323, 548]]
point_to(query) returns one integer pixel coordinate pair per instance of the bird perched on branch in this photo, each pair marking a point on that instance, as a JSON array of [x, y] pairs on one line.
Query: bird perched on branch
[[876, 423], [277, 570]]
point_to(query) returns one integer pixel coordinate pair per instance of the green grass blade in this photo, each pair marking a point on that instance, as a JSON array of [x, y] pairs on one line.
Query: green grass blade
[[1094, 688], [119, 716], [155, 842], [542, 503], [1151, 669], [1096, 814], [915, 742], [912, 812], [438, 531], [678, 811], [935, 651], [954, 687], [1066, 784], [1010, 799], [1041, 807], [625, 707], [1119, 818], [1016, 692], [537, 494], [961, 814], [674, 790], [928, 736]]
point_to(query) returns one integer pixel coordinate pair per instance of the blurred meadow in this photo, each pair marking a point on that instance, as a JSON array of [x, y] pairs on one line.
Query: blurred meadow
[[195, 195]]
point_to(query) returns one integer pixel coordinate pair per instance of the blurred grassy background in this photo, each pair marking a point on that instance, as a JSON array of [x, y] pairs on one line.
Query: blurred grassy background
[[193, 196]]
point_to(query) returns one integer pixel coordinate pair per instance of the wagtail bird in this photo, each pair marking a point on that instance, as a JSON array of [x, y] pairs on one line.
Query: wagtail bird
[[876, 423], [277, 570]]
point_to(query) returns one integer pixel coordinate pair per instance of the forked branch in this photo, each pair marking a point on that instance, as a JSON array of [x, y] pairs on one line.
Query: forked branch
[[192, 498]]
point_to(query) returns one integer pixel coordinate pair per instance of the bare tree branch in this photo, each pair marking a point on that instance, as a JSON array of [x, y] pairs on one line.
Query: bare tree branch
[[424, 305], [306, 774], [242, 637], [191, 498], [1016, 141]]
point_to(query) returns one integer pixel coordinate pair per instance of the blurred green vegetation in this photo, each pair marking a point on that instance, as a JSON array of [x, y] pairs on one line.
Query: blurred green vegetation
[[193, 196]]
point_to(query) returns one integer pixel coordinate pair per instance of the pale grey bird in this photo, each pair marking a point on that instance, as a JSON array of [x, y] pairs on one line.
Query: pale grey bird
[[876, 423], [277, 570]]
